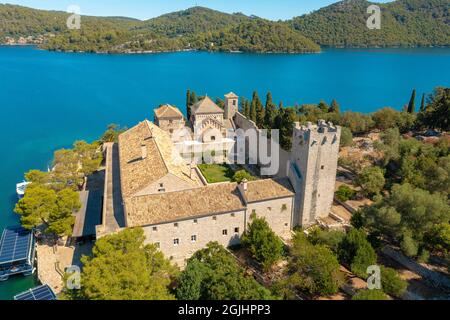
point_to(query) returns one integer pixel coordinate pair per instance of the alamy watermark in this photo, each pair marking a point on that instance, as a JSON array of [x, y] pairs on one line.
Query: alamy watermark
[[74, 21], [374, 21], [73, 281], [240, 147], [374, 279]]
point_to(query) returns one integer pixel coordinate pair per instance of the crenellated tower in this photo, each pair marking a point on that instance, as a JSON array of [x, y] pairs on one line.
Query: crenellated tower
[[312, 170]]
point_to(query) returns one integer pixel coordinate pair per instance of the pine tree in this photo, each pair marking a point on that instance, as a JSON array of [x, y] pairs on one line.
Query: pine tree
[[334, 106], [270, 112], [188, 104], [412, 102], [422, 104], [280, 106]]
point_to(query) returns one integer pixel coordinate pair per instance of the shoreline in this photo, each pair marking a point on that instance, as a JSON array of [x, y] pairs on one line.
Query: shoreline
[[151, 52]]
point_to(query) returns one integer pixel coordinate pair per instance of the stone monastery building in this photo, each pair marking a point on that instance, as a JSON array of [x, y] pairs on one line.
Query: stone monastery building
[[148, 184]]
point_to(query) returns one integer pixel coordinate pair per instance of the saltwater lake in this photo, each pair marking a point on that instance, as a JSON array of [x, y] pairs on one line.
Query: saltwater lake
[[48, 100]]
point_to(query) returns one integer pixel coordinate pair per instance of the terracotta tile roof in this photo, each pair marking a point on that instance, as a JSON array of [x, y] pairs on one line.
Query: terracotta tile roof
[[231, 95], [206, 106], [173, 206], [168, 111], [162, 158], [267, 189]]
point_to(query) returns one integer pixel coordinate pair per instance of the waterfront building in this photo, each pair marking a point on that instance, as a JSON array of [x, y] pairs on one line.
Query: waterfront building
[[149, 184]]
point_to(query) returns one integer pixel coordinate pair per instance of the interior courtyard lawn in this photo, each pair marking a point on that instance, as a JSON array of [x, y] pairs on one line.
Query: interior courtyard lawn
[[215, 173]]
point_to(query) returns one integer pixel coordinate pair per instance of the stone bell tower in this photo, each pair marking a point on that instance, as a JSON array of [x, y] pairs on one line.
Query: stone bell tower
[[231, 105], [312, 170]]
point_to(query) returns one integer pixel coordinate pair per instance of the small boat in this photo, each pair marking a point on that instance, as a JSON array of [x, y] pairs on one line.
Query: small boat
[[20, 189]]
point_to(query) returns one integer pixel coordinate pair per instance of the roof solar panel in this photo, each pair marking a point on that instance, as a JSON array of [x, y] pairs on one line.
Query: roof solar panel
[[15, 244], [41, 293]]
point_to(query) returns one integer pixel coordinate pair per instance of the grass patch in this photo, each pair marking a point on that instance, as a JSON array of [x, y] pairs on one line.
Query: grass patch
[[215, 173]]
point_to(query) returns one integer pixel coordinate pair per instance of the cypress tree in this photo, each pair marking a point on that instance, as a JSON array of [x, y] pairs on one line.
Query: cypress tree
[[193, 98], [270, 112], [334, 106], [259, 111], [253, 109], [412, 102], [422, 104], [188, 104], [243, 106], [247, 109]]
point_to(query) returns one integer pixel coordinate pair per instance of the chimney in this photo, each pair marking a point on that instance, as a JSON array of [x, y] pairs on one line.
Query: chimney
[[144, 151], [244, 184]]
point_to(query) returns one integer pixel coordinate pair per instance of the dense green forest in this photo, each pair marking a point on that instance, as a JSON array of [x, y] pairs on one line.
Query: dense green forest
[[404, 23], [192, 21]]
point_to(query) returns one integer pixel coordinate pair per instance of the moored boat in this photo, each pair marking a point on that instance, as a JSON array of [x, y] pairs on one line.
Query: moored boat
[[20, 189]]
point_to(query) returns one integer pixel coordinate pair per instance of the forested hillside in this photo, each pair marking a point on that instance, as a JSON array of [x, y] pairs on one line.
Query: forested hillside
[[192, 21], [343, 24], [403, 23]]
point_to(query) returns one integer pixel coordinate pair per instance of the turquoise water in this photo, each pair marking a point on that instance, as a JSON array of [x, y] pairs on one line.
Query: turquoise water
[[48, 100]]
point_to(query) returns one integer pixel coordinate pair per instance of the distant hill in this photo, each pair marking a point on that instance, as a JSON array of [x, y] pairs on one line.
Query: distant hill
[[343, 24], [192, 21], [255, 35], [403, 23]]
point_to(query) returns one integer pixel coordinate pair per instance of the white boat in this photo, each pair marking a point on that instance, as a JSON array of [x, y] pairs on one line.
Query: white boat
[[20, 189]]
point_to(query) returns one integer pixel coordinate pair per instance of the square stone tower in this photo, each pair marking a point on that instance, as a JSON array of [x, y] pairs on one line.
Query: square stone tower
[[231, 105], [312, 170]]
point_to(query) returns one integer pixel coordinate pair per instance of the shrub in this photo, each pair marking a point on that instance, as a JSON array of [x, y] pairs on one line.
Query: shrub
[[391, 283], [370, 295], [263, 243], [345, 193]]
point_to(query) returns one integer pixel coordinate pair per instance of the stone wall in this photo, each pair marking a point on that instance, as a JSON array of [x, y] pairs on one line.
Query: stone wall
[[277, 212], [206, 229]]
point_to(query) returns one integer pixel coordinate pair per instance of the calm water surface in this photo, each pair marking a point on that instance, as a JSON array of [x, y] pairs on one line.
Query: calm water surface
[[48, 100]]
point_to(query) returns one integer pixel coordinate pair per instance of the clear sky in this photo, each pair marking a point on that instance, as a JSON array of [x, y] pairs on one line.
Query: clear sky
[[145, 9]]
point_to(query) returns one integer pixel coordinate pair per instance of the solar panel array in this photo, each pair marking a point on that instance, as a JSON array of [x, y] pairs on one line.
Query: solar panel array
[[39, 293], [15, 244]]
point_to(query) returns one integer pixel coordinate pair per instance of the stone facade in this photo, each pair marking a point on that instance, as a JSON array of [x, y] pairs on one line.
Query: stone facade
[[204, 229], [169, 119], [163, 194], [179, 240], [312, 170]]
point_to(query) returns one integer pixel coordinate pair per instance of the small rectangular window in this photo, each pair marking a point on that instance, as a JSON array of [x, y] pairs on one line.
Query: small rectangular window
[[236, 230], [214, 218], [233, 215], [155, 228], [322, 167], [225, 232], [176, 242], [195, 221], [175, 225], [194, 238]]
